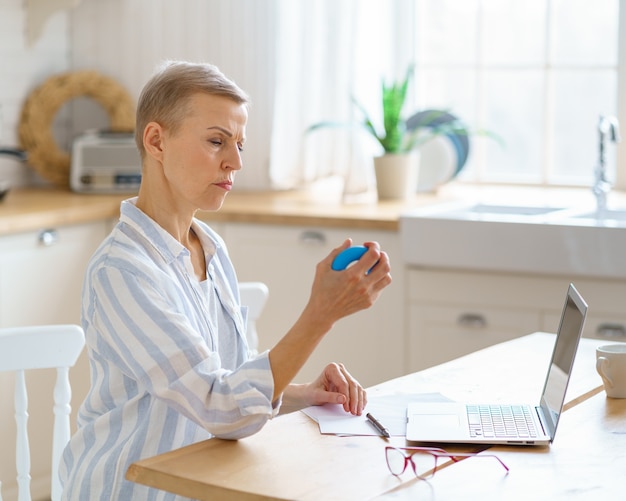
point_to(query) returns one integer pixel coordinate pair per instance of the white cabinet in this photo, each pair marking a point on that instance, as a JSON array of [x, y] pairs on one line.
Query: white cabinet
[[370, 343], [41, 273], [41, 276], [452, 312]]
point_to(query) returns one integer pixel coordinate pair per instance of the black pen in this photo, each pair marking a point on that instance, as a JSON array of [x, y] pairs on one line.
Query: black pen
[[378, 425]]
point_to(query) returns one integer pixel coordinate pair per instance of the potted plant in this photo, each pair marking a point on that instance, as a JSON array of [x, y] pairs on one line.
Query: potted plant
[[397, 168]]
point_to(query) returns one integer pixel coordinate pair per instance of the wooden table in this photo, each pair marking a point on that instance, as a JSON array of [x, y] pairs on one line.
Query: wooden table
[[587, 460], [290, 459]]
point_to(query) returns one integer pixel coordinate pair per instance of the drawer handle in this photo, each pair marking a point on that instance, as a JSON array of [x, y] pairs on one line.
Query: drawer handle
[[472, 320], [609, 330], [48, 237], [312, 238]]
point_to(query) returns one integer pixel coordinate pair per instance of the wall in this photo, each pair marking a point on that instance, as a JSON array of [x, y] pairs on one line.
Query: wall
[[22, 67], [126, 39]]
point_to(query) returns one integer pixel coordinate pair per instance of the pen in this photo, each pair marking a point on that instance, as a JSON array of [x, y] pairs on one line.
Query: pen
[[378, 425]]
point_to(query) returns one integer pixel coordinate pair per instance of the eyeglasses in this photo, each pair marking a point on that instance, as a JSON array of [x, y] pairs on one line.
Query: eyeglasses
[[425, 459]]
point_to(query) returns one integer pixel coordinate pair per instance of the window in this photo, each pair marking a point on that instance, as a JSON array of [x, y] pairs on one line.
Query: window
[[538, 73]]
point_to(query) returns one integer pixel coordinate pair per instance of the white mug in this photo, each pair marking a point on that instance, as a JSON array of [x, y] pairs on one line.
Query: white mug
[[611, 365]]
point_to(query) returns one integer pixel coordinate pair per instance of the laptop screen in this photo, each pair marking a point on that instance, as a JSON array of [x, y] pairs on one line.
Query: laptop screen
[[569, 333]]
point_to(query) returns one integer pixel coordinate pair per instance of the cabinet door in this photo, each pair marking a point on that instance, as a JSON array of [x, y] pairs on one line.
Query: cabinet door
[[442, 333], [370, 343], [453, 313], [606, 316], [41, 276]]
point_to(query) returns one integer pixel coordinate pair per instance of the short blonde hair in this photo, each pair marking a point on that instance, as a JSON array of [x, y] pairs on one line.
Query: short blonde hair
[[165, 96]]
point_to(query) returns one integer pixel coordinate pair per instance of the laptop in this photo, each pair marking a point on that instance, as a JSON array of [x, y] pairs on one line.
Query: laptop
[[468, 423]]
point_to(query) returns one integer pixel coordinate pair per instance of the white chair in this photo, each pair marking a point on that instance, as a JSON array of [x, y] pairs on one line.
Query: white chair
[[254, 296], [41, 347]]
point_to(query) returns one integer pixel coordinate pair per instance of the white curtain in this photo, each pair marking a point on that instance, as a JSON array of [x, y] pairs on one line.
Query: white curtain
[[328, 51]]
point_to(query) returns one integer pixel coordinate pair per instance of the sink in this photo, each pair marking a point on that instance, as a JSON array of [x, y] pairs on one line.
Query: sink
[[511, 209], [529, 238], [604, 217], [489, 211]]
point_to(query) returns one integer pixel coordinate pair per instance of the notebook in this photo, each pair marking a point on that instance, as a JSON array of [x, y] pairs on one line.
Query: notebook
[[452, 422]]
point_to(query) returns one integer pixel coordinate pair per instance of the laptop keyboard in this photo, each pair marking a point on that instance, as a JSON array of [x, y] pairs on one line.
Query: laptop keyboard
[[500, 421]]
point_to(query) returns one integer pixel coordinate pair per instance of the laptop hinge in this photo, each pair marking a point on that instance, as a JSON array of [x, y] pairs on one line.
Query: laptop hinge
[[542, 421]]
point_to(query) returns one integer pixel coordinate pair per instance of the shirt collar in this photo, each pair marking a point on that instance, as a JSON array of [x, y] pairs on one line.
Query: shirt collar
[[160, 239]]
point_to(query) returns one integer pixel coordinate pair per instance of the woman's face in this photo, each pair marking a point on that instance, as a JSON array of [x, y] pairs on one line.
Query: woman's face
[[201, 158]]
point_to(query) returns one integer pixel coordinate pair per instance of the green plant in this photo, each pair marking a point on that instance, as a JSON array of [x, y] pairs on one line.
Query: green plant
[[394, 136], [393, 139]]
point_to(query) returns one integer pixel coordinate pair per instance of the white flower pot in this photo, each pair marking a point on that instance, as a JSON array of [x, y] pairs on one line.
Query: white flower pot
[[396, 175]]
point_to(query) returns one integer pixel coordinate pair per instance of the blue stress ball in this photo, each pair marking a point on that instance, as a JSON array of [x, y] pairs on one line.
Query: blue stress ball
[[347, 256]]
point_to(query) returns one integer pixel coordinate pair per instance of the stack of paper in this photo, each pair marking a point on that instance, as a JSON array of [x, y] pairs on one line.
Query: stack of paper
[[390, 410]]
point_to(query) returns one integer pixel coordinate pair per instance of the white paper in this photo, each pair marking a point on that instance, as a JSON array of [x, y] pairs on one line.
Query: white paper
[[389, 410]]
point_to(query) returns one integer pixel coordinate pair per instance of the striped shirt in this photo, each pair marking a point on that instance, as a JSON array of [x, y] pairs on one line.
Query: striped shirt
[[168, 357]]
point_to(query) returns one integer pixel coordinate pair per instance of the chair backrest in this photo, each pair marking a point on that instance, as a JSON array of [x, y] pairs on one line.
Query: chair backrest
[[41, 347], [254, 296]]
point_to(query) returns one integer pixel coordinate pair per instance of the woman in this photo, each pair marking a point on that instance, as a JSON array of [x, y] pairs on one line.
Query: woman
[[164, 329]]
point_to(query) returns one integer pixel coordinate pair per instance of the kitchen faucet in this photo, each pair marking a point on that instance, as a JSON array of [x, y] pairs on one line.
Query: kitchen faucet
[[607, 126]]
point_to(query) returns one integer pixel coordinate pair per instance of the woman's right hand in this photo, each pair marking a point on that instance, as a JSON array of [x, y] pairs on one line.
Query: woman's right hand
[[337, 294], [334, 295]]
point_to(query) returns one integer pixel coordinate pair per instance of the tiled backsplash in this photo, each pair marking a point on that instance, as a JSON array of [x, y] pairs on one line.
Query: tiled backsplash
[[126, 39]]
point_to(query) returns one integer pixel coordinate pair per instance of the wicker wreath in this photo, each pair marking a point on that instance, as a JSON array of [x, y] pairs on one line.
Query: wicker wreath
[[41, 106]]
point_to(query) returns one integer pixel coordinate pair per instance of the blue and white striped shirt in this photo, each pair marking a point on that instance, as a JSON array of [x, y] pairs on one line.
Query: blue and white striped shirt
[[168, 356]]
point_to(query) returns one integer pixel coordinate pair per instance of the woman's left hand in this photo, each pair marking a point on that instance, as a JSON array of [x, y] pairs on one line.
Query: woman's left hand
[[335, 385]]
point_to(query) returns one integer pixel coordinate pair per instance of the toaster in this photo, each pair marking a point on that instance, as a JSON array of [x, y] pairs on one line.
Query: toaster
[[105, 162]]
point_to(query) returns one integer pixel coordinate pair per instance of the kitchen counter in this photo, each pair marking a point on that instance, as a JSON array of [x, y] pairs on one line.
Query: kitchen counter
[[36, 208], [30, 209]]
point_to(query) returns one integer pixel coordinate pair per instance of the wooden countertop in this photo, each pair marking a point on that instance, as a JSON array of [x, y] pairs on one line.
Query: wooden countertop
[[39, 208], [31, 209]]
